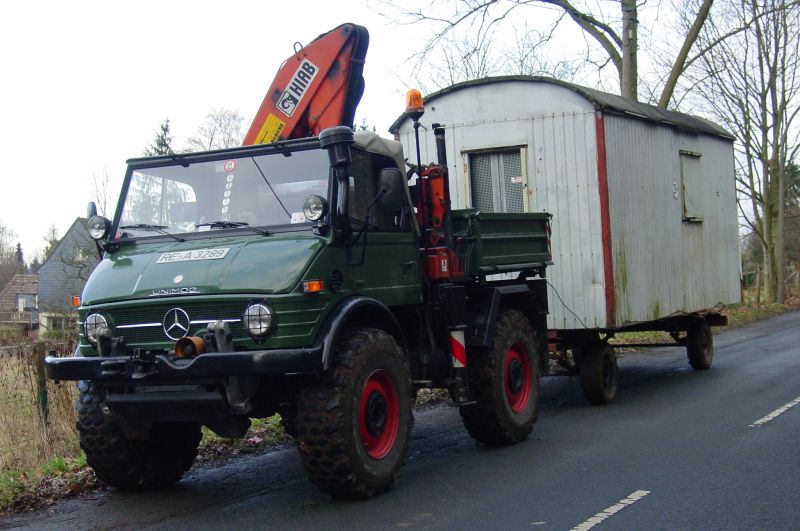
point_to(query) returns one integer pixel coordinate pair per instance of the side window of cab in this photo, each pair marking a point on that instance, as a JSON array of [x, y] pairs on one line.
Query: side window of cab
[[365, 172]]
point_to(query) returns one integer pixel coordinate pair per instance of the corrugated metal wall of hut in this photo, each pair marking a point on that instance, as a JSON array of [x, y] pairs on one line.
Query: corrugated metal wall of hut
[[560, 171], [663, 264]]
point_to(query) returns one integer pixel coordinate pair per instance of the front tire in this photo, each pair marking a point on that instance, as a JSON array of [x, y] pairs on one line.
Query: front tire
[[504, 383], [152, 463], [354, 427]]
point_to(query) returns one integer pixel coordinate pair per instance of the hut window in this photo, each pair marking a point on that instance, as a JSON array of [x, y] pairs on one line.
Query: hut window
[[691, 186], [497, 181]]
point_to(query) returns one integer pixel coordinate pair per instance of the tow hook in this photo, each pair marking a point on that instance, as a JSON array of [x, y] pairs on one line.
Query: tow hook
[[144, 364]]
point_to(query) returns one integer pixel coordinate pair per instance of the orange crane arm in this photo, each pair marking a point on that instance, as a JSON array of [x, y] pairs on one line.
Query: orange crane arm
[[317, 87]]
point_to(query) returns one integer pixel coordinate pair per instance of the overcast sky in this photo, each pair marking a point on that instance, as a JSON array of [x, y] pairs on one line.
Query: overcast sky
[[85, 85]]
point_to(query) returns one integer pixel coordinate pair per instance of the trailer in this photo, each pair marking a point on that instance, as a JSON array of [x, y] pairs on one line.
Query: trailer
[[643, 203]]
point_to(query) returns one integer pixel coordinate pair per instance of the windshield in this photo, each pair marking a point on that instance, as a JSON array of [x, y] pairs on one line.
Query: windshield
[[257, 191]]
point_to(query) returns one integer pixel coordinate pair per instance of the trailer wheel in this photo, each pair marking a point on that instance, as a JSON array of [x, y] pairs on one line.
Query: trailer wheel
[[598, 372], [354, 426], [153, 463], [700, 345], [504, 383]]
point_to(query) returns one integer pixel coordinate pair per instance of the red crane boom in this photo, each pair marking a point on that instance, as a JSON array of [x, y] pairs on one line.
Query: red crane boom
[[319, 86]]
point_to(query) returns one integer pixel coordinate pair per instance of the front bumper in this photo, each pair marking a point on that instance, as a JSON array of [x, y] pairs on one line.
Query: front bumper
[[128, 369]]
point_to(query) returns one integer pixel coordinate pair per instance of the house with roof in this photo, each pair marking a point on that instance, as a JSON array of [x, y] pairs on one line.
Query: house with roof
[[63, 275], [19, 303]]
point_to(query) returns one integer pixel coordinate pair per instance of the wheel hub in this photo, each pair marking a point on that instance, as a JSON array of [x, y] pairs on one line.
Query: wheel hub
[[515, 376], [379, 414], [375, 414], [518, 378]]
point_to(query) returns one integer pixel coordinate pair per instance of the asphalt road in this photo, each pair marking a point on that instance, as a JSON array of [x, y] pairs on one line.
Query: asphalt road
[[679, 449]]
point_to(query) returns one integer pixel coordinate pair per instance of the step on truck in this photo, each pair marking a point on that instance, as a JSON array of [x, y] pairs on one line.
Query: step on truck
[[302, 277]]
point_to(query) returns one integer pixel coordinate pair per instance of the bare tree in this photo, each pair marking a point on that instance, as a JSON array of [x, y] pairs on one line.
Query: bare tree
[[9, 260], [749, 78], [529, 55], [462, 58], [102, 193], [51, 241], [222, 128], [616, 36]]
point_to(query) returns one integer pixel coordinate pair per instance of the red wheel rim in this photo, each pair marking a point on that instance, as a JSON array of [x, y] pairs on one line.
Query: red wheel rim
[[378, 414], [517, 378]]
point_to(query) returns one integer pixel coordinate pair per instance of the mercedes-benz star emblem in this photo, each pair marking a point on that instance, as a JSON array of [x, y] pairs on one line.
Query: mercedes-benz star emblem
[[176, 324]]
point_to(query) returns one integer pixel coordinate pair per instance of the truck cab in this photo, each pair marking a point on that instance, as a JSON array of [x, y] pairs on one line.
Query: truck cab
[[299, 277]]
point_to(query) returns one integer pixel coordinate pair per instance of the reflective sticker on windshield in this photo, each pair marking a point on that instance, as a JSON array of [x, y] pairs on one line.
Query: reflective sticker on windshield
[[298, 217], [189, 256]]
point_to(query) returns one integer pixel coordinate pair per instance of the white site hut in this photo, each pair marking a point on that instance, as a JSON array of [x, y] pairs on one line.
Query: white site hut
[[643, 199]]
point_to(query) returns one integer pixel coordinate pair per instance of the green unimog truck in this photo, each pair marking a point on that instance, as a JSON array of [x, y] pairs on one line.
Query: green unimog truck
[[306, 278]]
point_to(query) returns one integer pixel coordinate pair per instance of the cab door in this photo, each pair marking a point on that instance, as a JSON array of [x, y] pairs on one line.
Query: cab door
[[388, 266]]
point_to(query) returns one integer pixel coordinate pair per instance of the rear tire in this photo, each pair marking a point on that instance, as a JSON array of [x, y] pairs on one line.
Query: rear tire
[[354, 427], [504, 383], [599, 373], [700, 345], [153, 463]]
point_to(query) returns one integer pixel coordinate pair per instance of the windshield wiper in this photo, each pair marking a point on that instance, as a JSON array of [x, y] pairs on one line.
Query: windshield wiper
[[152, 228], [222, 224]]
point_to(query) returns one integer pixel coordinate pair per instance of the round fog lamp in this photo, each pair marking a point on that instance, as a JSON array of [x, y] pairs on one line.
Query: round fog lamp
[[98, 227], [257, 320], [92, 326], [315, 208]]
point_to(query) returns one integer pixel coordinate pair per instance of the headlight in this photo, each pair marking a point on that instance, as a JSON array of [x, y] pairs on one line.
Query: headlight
[[98, 227], [92, 326], [315, 208], [257, 320]]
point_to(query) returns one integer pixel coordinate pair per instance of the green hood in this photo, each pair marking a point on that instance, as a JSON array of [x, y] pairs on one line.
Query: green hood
[[251, 264]]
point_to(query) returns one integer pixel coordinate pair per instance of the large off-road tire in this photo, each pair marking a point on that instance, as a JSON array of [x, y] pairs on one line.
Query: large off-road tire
[[598, 372], [504, 383], [354, 426], [155, 462], [700, 345]]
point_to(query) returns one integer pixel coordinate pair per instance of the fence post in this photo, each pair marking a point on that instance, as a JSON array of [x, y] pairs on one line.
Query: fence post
[[41, 382], [758, 286]]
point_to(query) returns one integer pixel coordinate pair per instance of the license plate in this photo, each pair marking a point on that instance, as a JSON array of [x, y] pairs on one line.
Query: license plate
[[191, 256]]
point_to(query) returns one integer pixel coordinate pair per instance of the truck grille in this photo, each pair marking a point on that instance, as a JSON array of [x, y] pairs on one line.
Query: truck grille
[[137, 324]]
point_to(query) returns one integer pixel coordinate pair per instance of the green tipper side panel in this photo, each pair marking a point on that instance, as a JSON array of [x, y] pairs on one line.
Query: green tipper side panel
[[496, 242]]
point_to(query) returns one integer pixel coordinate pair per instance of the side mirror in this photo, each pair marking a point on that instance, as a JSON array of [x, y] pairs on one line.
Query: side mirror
[[390, 196], [91, 210]]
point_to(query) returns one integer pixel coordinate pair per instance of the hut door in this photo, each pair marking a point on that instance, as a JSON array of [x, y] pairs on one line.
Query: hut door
[[497, 181]]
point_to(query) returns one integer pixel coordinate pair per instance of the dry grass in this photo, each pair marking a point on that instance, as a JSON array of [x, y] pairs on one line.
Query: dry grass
[[28, 439]]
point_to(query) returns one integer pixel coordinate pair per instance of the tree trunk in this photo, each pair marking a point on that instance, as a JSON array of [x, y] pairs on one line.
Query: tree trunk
[[630, 75]]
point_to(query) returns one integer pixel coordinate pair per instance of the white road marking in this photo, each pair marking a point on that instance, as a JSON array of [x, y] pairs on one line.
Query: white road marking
[[611, 511], [783, 409]]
